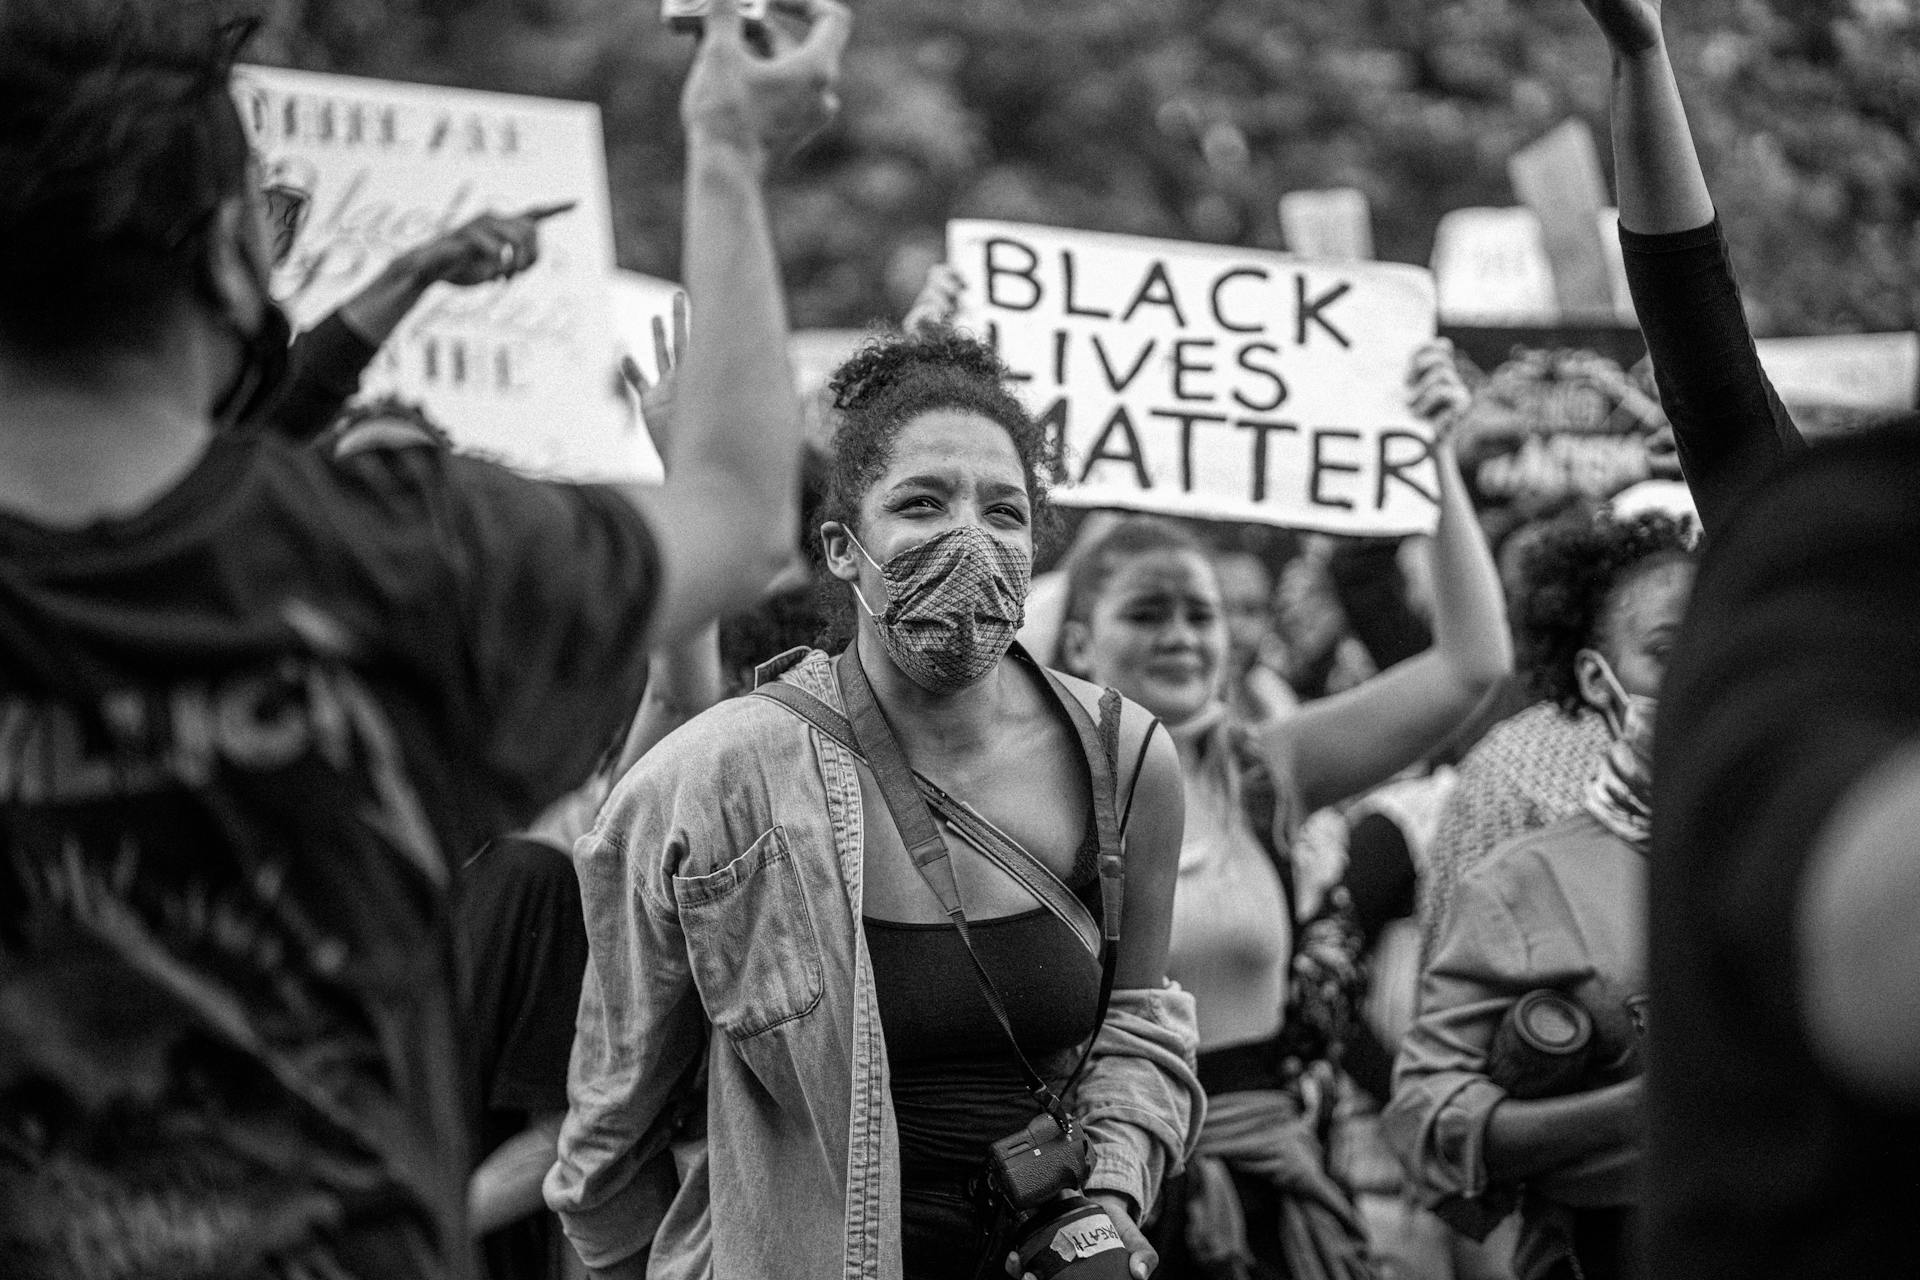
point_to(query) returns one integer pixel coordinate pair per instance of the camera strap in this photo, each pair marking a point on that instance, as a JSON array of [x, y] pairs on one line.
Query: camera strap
[[927, 848]]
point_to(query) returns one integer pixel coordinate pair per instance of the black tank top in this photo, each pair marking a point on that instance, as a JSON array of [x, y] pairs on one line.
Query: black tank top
[[957, 1085]]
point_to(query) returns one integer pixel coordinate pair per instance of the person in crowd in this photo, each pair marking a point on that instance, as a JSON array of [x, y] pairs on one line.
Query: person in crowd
[[1601, 598], [1270, 960], [1781, 1107], [523, 941], [752, 906], [1785, 1045], [1253, 689], [259, 700], [1488, 1107]]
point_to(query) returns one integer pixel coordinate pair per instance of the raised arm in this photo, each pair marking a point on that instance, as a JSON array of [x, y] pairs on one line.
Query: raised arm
[[724, 518], [1342, 745], [1728, 424]]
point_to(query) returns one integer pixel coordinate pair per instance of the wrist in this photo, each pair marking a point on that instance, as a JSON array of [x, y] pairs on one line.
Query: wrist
[[1649, 56], [724, 140]]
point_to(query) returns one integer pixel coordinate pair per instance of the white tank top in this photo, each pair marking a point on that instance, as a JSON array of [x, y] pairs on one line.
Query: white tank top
[[1232, 938]]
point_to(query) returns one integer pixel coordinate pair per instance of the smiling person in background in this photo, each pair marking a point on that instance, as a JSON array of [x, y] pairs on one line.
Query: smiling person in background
[[1270, 957]]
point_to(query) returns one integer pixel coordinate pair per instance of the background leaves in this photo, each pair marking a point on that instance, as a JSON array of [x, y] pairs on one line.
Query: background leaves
[[1189, 118]]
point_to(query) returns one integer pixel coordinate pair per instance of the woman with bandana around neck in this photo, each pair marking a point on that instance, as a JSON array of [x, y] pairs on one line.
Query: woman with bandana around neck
[[1270, 957], [752, 904], [1497, 1103]]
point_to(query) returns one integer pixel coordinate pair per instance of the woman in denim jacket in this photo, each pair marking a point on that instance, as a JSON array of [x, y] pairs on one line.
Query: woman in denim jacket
[[752, 908]]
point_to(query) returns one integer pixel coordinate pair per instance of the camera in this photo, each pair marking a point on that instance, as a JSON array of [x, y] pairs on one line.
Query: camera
[[1036, 1175], [1544, 1046]]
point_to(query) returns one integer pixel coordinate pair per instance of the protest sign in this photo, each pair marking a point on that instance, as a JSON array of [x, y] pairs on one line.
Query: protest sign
[[1562, 421], [1335, 224], [1846, 370], [1558, 178], [1492, 268], [1208, 381], [524, 370]]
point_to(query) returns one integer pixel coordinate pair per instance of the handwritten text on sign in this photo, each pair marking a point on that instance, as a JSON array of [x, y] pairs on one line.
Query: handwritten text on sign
[[1207, 381], [524, 369]]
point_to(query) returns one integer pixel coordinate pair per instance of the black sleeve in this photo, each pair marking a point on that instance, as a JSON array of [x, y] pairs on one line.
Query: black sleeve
[[524, 936], [1380, 874], [1728, 423], [323, 373], [1367, 580], [556, 585]]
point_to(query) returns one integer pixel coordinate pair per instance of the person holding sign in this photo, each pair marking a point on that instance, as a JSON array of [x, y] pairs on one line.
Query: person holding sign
[[256, 700], [1269, 967], [886, 902]]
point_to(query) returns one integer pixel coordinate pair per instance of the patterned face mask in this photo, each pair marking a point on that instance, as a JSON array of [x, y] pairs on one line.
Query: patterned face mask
[[1621, 796], [954, 604]]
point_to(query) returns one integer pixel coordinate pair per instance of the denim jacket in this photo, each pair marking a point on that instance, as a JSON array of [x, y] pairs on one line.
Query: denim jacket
[[722, 887]]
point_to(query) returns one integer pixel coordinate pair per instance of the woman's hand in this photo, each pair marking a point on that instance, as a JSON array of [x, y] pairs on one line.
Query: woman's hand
[[1142, 1257], [656, 396], [492, 246], [1630, 26], [938, 303], [1435, 390]]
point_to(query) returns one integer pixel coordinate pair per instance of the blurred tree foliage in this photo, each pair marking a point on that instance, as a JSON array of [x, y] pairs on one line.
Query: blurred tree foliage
[[1188, 118]]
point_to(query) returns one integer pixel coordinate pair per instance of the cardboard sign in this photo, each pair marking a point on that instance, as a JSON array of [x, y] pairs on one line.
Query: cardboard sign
[[1493, 269], [523, 370], [1558, 178], [1336, 224], [1207, 381], [1848, 370]]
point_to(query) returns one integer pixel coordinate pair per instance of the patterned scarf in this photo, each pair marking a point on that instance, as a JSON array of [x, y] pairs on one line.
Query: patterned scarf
[[1620, 796]]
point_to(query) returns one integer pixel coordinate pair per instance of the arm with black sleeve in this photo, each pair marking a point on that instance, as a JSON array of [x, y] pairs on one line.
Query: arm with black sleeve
[[1729, 425]]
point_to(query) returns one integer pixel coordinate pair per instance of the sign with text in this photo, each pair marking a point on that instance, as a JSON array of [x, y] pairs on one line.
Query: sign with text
[[524, 370], [1201, 380]]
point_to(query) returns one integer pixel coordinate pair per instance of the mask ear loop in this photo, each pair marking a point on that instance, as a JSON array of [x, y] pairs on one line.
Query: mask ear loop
[[857, 593], [1618, 720]]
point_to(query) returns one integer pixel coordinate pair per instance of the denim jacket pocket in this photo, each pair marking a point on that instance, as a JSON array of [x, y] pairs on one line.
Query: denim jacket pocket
[[750, 938]]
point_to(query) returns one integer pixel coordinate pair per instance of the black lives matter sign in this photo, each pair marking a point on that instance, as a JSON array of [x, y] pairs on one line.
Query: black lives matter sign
[[1207, 381]]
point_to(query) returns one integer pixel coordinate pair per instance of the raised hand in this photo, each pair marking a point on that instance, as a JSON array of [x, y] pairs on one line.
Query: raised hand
[[938, 303], [767, 105], [656, 396], [492, 246], [1435, 389], [1630, 26]]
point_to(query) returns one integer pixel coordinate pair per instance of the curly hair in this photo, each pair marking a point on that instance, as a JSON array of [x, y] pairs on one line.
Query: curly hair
[[118, 142], [893, 379], [1574, 575]]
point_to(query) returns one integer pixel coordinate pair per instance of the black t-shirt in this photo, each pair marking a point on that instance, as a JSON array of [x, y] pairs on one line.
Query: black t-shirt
[[1798, 668], [523, 938], [243, 736]]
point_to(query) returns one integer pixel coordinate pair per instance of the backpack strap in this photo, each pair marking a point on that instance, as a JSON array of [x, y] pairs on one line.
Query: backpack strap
[[967, 822]]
